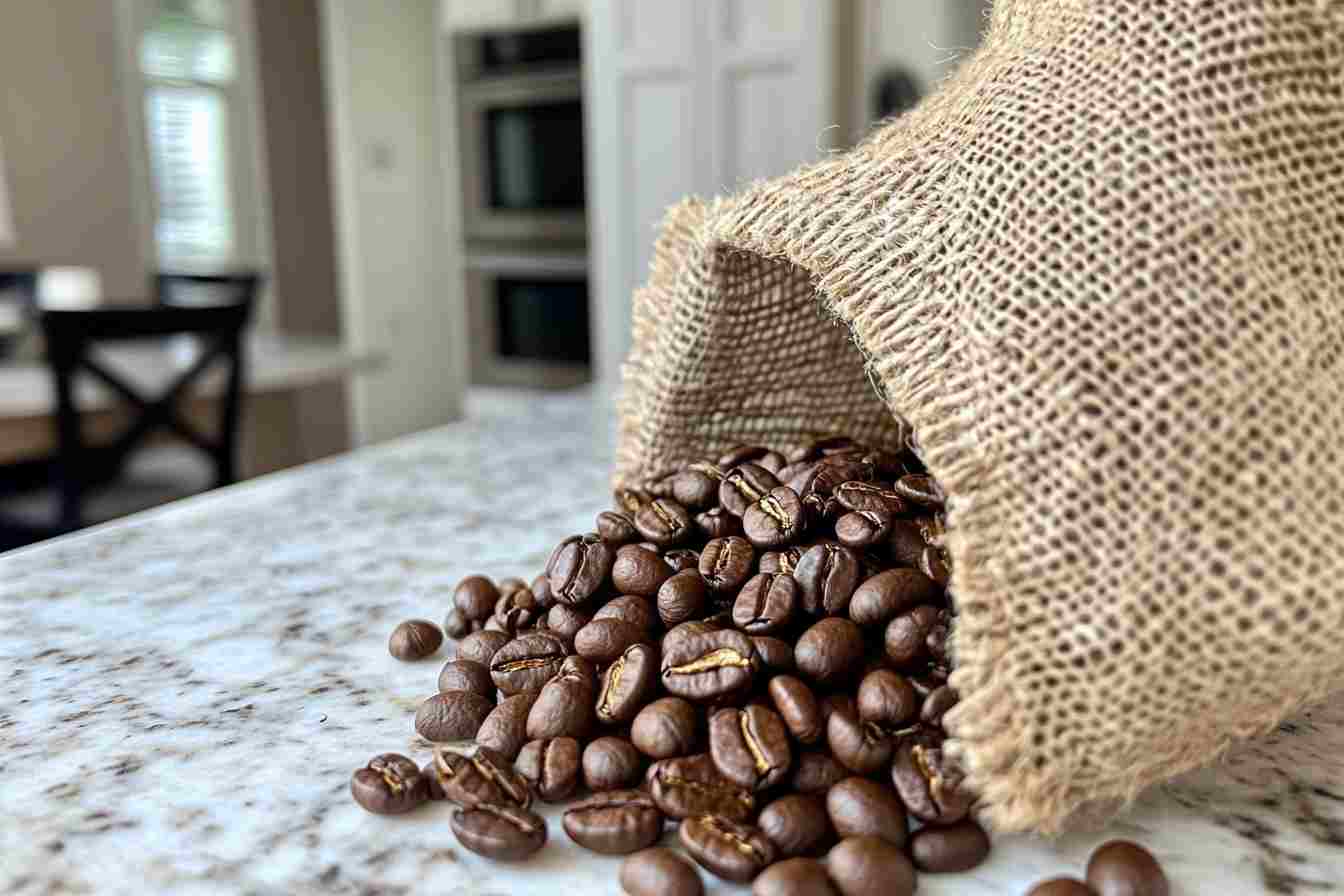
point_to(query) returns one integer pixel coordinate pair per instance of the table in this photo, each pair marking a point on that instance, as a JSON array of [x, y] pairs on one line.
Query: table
[[186, 692]]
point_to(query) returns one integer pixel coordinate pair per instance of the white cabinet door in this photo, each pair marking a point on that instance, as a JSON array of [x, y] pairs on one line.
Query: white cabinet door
[[467, 15], [562, 9]]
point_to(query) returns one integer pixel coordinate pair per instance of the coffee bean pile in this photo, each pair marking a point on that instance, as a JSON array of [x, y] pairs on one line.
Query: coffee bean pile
[[755, 649]]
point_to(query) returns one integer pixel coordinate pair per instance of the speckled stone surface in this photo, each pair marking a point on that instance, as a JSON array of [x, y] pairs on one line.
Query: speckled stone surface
[[184, 695]]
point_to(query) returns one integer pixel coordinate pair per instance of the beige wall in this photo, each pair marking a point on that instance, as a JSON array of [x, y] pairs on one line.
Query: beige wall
[[66, 143]]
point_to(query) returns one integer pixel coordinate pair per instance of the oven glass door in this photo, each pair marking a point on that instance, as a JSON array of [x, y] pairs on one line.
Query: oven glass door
[[534, 156], [540, 319]]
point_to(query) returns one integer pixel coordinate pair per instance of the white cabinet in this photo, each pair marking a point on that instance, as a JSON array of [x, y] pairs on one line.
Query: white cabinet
[[692, 97], [482, 15]]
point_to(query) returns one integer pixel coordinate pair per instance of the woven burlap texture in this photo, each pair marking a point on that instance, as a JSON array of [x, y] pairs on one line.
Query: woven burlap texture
[[1099, 272]]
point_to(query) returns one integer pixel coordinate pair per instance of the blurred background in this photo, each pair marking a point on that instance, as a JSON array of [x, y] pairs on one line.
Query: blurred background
[[238, 235]]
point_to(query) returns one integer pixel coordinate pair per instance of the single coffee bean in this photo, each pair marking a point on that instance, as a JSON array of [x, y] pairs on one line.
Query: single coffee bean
[[611, 763], [1124, 868], [718, 523], [797, 824], [936, 706], [869, 496], [785, 561], [775, 520], [816, 772], [512, 584], [741, 454], [953, 847], [630, 500], [431, 777], [628, 684], [452, 715], [1061, 886], [794, 877], [934, 563], [860, 807], [603, 640], [869, 866], [659, 872], [798, 707], [750, 747], [821, 447], [503, 833], [581, 670], [823, 510], [578, 568], [471, 776], [681, 559], [697, 486], [862, 528], [414, 639], [702, 664], [766, 603], [682, 597], [475, 597], [637, 611], [743, 486], [638, 570], [830, 651], [929, 783], [664, 522], [505, 729], [455, 624], [827, 475], [832, 703], [920, 489], [904, 641], [616, 528], [389, 785], [527, 662], [564, 622], [480, 647], [905, 543], [516, 610], [776, 654], [890, 593], [494, 625], [728, 849], [691, 785], [614, 823], [936, 641], [666, 728], [827, 575], [551, 766], [466, 675], [564, 708], [859, 746], [885, 698], [726, 563]]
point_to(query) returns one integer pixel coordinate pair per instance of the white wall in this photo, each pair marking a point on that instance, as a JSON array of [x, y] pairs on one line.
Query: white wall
[[6, 217]]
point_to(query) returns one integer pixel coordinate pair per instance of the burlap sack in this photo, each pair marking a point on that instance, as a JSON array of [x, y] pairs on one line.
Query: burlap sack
[[1099, 273]]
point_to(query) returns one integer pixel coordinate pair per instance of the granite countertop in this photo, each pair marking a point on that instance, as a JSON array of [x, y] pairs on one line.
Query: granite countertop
[[186, 693]]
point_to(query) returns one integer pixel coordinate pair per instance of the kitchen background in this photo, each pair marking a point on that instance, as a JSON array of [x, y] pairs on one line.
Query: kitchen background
[[443, 201]]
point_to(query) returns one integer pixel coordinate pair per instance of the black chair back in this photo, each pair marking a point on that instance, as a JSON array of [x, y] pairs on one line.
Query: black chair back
[[197, 290]]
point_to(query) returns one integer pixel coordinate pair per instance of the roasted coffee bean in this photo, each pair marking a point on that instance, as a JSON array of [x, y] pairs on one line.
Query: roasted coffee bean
[[630, 500], [616, 528], [564, 708], [830, 651], [772, 461], [862, 528], [691, 785], [466, 675], [614, 823], [935, 642], [1061, 886], [904, 641], [638, 570], [869, 496], [741, 454], [505, 729], [794, 877], [785, 561], [682, 597], [527, 662], [414, 639], [750, 747], [664, 522], [666, 728], [728, 849], [826, 475], [581, 670], [743, 486], [494, 625], [682, 559], [718, 523], [775, 520], [517, 609], [797, 824], [936, 706], [706, 664], [827, 575], [431, 781], [611, 763], [859, 746], [1124, 868], [795, 472], [933, 529], [954, 847], [816, 772], [838, 702], [766, 603], [503, 833], [512, 584], [776, 654], [859, 807], [888, 594], [470, 776], [389, 785], [798, 707], [455, 624], [578, 567], [631, 608], [823, 509], [564, 622], [452, 715], [919, 489], [475, 597], [929, 783], [480, 647], [659, 872], [628, 683], [905, 544], [868, 866], [726, 563], [934, 564], [697, 486], [603, 640], [551, 766], [885, 698], [821, 447]]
